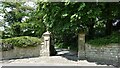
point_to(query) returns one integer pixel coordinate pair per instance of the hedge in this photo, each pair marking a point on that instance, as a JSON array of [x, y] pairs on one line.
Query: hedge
[[23, 41], [113, 38]]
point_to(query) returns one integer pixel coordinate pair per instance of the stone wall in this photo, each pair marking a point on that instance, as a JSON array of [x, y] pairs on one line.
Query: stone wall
[[18, 52], [40, 50], [109, 54]]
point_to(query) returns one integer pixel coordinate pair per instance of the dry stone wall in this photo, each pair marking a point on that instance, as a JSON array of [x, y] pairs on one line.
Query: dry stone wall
[[18, 52], [109, 54], [40, 50]]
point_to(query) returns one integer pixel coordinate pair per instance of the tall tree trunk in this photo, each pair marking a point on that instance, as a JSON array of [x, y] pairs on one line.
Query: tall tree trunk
[[109, 27], [91, 30]]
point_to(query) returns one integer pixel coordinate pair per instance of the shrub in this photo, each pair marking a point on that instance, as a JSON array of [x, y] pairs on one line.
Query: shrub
[[113, 38], [23, 41], [5, 47]]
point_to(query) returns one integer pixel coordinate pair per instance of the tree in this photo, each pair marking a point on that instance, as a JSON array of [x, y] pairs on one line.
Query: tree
[[66, 19], [110, 13], [31, 26]]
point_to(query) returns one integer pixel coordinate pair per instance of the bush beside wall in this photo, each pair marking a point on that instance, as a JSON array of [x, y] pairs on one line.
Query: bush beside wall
[[23, 41], [113, 38], [20, 47]]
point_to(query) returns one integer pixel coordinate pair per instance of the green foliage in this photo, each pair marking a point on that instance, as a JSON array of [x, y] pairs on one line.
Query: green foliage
[[18, 11], [59, 45], [64, 20], [6, 47], [23, 41], [27, 29], [0, 34], [113, 38], [24, 29], [31, 26]]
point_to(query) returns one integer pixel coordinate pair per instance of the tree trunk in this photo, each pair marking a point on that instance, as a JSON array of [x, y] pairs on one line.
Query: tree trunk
[[109, 26], [91, 30], [108, 29]]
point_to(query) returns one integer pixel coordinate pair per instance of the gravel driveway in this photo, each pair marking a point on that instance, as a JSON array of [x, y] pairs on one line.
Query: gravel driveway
[[64, 57]]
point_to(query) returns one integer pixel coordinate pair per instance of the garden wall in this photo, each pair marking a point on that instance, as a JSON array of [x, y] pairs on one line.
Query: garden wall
[[42, 49], [18, 52], [109, 54]]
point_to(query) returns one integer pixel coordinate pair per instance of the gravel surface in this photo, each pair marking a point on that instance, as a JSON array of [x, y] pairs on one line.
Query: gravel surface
[[54, 60], [64, 57]]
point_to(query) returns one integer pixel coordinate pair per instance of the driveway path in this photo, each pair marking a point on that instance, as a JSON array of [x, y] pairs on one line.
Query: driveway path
[[64, 57]]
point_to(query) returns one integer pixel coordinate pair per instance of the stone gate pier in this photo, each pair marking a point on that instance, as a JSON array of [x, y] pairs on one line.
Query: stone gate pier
[[81, 46], [45, 47], [105, 54]]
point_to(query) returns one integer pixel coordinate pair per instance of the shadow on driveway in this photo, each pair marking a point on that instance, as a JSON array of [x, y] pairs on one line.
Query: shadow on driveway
[[70, 55]]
